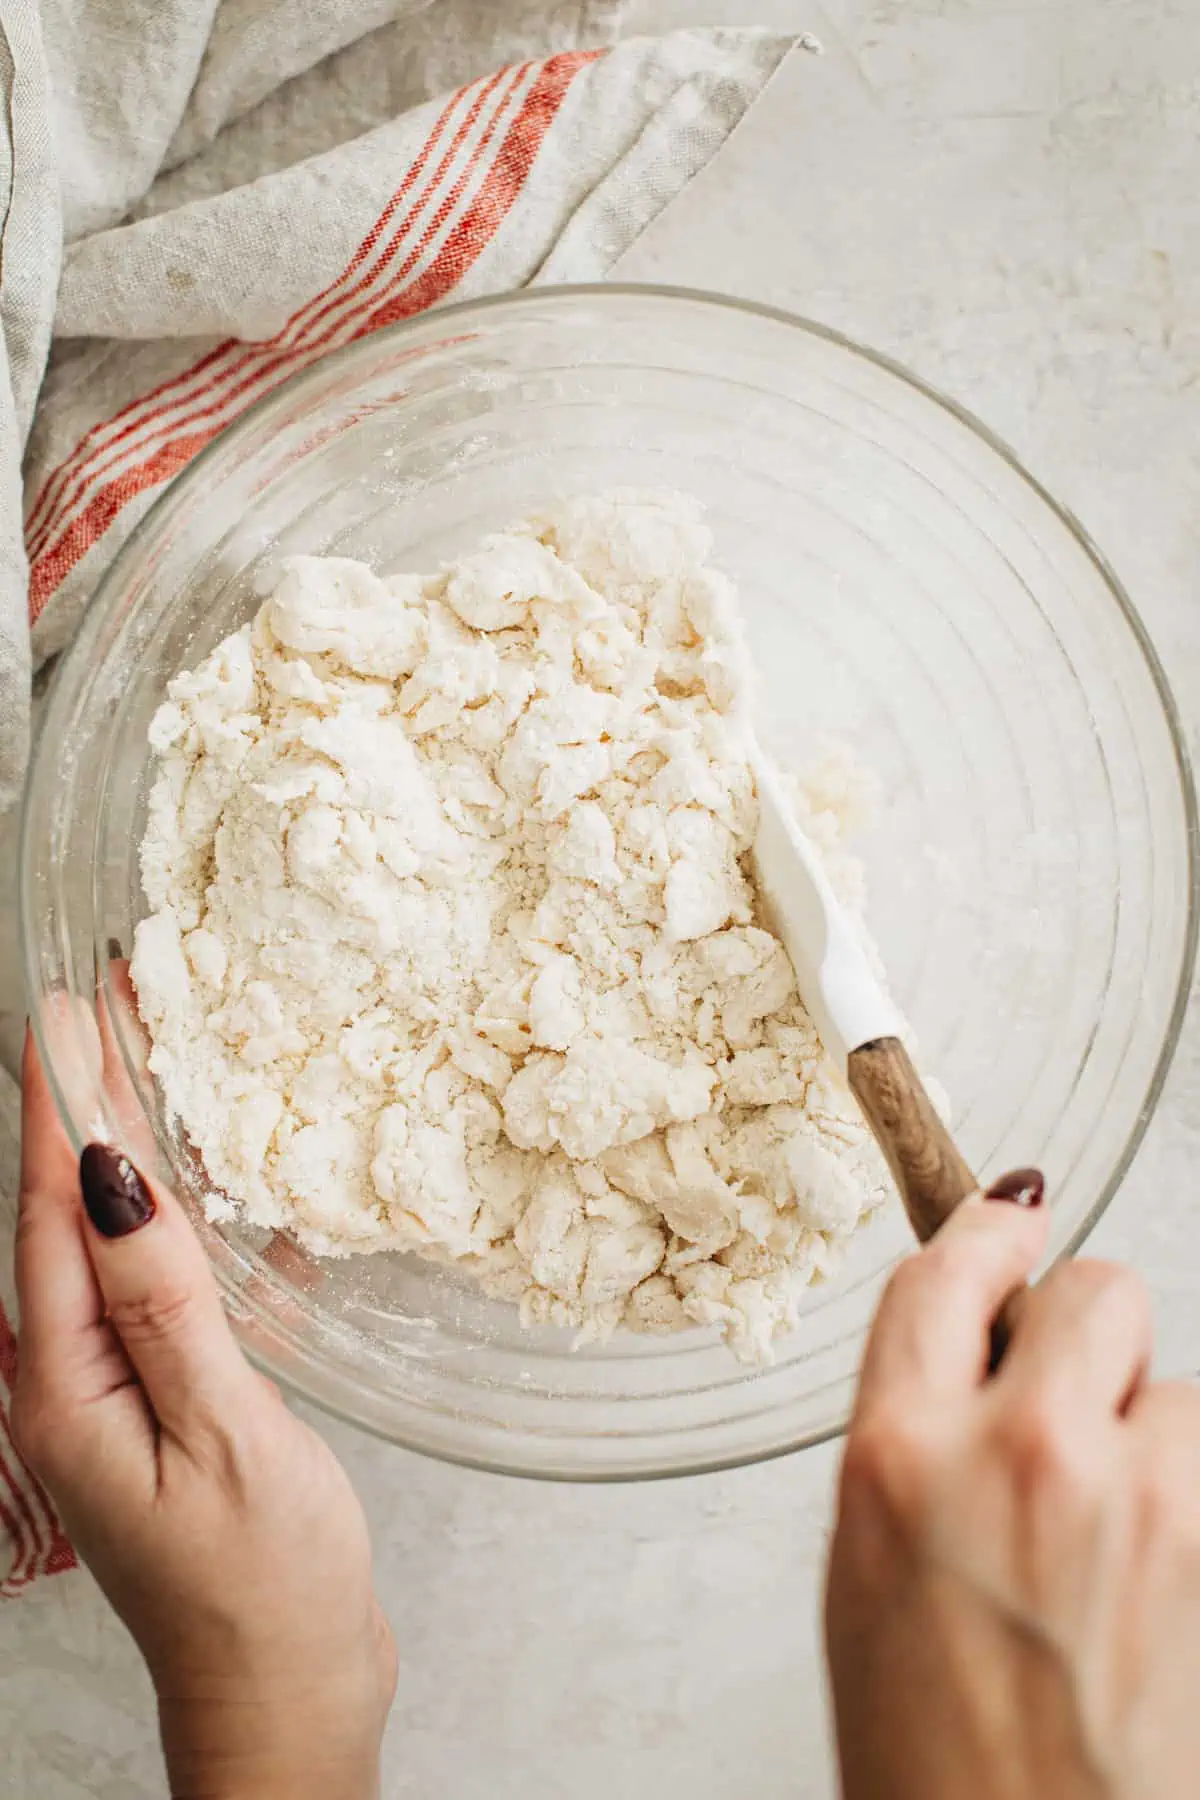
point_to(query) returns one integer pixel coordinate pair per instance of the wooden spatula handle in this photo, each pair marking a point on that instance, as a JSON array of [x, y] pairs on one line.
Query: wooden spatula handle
[[929, 1171], [926, 1163]]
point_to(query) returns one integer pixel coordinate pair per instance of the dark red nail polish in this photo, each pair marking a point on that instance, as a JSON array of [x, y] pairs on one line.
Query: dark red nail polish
[[1022, 1187], [116, 1198], [115, 952]]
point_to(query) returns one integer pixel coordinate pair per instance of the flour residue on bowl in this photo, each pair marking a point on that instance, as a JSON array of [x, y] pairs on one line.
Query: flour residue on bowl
[[452, 946]]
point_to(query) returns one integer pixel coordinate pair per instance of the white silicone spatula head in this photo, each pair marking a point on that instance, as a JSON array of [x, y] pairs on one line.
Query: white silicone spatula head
[[837, 984], [858, 1024]]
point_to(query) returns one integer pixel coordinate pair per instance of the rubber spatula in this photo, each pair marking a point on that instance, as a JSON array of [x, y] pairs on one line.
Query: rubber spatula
[[857, 1023]]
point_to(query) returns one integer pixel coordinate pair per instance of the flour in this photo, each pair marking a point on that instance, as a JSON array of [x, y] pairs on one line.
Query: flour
[[451, 946]]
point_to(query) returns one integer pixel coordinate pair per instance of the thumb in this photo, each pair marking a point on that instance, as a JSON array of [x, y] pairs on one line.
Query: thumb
[[160, 1298]]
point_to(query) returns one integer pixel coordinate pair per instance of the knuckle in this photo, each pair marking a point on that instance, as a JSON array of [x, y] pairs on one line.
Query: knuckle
[[1109, 1285], [1170, 1511], [226, 1453], [941, 1262], [888, 1464], [1161, 1516], [910, 1278], [152, 1318], [1174, 1406], [1041, 1454], [922, 1282], [1166, 1499], [26, 1216], [952, 1259]]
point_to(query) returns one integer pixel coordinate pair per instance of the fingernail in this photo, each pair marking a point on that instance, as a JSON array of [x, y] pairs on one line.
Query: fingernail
[[1022, 1187], [116, 1198], [115, 952]]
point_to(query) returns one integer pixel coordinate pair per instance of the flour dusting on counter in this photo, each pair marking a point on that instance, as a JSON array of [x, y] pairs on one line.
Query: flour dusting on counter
[[451, 944]]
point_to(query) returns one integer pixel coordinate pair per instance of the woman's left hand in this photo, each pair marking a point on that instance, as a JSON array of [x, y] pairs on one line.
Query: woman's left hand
[[222, 1530]]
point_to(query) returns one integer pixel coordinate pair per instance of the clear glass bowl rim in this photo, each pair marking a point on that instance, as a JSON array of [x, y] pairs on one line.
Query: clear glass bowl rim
[[540, 297]]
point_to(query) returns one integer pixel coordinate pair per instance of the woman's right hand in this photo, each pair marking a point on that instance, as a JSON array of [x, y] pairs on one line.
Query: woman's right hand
[[1013, 1608]]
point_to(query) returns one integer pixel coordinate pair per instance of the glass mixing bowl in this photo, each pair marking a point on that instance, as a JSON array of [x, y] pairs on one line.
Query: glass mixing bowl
[[909, 592]]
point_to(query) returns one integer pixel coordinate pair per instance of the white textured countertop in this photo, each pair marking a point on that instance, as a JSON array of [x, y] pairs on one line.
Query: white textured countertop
[[1005, 196]]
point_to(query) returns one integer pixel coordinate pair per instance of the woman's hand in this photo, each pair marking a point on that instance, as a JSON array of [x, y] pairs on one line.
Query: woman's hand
[[1013, 1610], [221, 1529]]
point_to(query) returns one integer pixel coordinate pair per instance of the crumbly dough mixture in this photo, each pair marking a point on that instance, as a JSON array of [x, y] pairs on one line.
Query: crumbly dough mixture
[[451, 946]]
